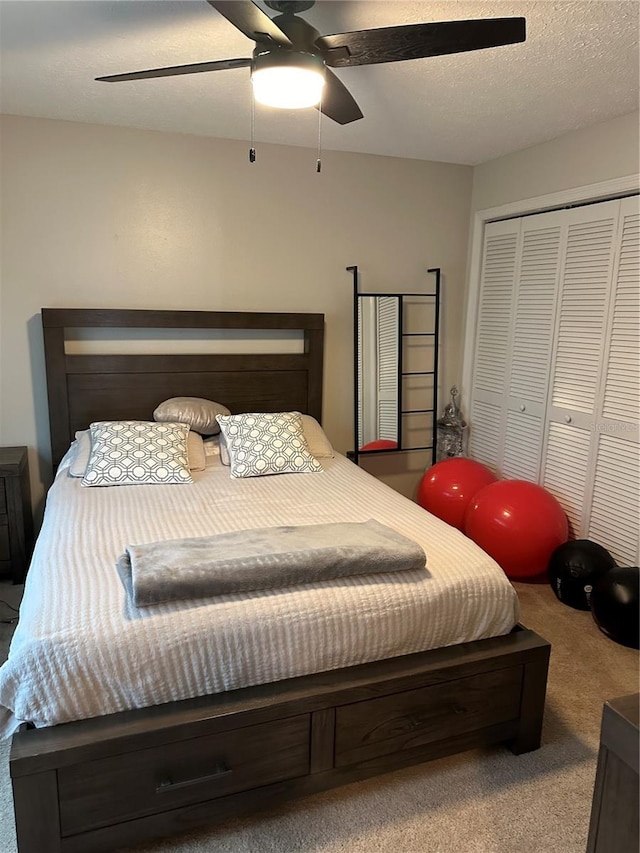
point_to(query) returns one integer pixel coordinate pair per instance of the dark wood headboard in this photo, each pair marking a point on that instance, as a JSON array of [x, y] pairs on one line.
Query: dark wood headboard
[[85, 388]]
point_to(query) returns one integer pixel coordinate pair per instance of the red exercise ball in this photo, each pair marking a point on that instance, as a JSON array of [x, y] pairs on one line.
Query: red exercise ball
[[517, 523], [380, 444], [448, 486]]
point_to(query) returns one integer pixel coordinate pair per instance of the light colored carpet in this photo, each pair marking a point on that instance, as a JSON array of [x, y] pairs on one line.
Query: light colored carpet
[[485, 801]]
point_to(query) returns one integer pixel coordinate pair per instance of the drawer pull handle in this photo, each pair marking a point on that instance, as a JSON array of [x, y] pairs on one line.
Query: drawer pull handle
[[167, 784]]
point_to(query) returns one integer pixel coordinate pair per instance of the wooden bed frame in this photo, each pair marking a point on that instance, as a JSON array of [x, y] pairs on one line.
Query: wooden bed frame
[[97, 784]]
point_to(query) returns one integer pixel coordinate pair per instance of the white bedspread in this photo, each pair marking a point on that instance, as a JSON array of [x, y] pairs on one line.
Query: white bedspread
[[81, 650]]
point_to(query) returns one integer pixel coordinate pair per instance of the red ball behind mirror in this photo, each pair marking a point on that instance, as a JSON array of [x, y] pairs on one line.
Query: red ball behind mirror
[[380, 444]]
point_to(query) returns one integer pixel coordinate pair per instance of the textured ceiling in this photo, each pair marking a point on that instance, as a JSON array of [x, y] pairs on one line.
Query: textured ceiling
[[579, 66]]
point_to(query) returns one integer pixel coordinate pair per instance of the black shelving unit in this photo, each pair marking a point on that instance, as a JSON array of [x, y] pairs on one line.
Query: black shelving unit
[[433, 332]]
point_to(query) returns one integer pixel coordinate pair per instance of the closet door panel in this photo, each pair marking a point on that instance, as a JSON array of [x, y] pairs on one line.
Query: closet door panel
[[493, 343], [522, 447], [535, 310], [495, 309], [566, 467], [533, 326], [485, 434], [615, 507], [585, 287], [621, 399], [582, 420]]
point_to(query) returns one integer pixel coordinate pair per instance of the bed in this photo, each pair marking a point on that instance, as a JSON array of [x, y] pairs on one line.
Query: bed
[[278, 706]]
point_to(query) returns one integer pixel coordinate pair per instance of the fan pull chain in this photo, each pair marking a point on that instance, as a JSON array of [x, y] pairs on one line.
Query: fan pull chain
[[319, 160], [252, 150]]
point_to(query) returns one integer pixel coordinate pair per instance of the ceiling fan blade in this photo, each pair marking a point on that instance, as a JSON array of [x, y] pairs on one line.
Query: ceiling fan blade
[[415, 41], [337, 102], [251, 21], [196, 68]]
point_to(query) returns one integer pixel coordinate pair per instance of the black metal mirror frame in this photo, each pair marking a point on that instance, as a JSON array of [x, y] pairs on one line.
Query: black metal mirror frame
[[435, 333]]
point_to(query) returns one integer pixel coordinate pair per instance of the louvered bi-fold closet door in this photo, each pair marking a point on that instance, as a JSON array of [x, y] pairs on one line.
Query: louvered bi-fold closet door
[[614, 512], [556, 364], [493, 341], [584, 300], [531, 347], [514, 344]]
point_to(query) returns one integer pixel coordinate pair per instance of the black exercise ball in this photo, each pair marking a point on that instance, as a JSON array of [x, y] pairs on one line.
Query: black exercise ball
[[574, 567], [615, 605]]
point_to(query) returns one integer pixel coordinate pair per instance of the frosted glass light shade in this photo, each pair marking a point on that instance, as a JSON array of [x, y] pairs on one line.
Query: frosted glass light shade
[[292, 81]]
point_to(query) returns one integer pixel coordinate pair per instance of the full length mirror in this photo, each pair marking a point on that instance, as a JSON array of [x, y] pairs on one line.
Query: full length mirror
[[378, 357], [396, 340]]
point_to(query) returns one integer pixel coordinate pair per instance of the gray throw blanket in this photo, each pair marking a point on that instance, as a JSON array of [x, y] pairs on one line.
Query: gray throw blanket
[[264, 558]]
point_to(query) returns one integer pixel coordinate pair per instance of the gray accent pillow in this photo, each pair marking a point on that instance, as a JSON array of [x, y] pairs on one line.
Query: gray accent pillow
[[82, 452], [128, 453], [261, 443], [317, 441], [199, 413]]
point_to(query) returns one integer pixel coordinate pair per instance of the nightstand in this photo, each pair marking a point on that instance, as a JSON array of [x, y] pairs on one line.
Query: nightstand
[[614, 813], [16, 522]]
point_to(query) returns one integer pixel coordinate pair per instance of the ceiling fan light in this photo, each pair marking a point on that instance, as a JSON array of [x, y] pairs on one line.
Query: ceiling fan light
[[287, 80]]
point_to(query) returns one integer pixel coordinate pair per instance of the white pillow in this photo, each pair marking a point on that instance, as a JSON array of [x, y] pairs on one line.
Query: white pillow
[[211, 447], [224, 450], [127, 453], [261, 443], [317, 441], [82, 451], [199, 413]]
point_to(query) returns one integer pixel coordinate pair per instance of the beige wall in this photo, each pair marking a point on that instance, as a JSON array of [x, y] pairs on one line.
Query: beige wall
[[97, 216], [597, 153]]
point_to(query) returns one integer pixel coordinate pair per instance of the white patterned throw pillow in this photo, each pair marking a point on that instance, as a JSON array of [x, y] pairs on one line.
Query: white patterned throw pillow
[[127, 453], [261, 443]]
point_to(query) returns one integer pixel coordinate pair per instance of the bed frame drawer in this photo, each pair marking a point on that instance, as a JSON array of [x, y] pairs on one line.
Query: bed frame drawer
[[5, 540], [409, 720], [16, 522], [98, 793], [5, 547]]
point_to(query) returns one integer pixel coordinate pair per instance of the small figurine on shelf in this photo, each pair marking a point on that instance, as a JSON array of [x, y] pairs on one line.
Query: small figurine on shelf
[[451, 430]]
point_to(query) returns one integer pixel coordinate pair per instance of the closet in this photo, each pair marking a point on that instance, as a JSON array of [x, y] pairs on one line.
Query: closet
[[554, 396]]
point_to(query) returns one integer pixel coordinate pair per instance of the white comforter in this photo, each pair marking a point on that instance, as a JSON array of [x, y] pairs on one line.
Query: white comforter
[[81, 650]]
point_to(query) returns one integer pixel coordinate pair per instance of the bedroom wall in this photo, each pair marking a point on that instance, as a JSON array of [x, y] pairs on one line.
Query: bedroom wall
[[601, 152], [97, 216]]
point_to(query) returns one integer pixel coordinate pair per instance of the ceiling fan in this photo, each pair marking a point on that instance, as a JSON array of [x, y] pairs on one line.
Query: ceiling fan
[[288, 49]]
